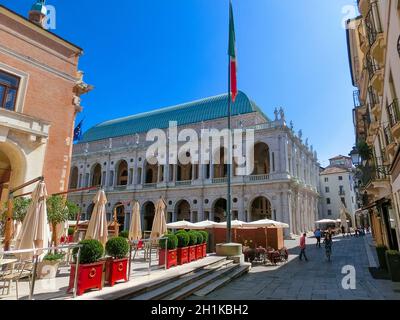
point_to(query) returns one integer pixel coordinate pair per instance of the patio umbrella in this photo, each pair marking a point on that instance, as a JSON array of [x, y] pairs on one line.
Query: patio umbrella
[[159, 224], [325, 221], [135, 228], [180, 225], [97, 228], [265, 223], [203, 225], [235, 224], [35, 231]]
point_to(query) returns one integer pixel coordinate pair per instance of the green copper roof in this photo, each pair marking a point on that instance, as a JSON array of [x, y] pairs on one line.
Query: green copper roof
[[188, 113]]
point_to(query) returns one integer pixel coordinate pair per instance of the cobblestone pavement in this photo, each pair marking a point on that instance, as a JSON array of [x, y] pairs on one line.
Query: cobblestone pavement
[[317, 279]]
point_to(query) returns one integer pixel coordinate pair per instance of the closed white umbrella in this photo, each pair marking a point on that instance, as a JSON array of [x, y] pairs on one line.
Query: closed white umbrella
[[180, 225], [35, 231], [343, 218], [97, 228], [135, 229], [159, 227]]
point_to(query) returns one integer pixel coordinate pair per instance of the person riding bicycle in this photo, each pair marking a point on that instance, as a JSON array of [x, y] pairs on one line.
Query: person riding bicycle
[[328, 244]]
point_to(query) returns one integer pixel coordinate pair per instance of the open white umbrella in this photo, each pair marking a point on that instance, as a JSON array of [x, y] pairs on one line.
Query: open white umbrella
[[135, 228], [180, 225], [159, 227], [35, 231], [325, 221], [235, 224], [97, 228], [207, 224], [265, 223]]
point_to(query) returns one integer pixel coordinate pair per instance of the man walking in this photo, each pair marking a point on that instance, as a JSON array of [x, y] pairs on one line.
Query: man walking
[[317, 235], [303, 247]]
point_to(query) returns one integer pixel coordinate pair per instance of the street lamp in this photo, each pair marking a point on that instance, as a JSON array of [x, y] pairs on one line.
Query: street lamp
[[355, 156]]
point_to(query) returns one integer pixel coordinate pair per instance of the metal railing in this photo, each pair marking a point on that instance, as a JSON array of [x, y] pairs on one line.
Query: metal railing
[[183, 183], [371, 66], [219, 180], [373, 23], [393, 111], [259, 177], [388, 135], [36, 253]]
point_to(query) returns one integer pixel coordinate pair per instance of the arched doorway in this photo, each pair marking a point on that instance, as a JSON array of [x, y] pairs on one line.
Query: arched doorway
[[220, 163], [120, 211], [182, 210], [219, 209], [96, 175], [185, 168], [148, 215], [261, 159], [73, 184], [122, 173], [12, 169], [151, 174], [260, 209]]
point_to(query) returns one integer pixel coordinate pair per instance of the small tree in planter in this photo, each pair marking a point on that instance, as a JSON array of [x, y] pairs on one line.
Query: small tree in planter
[[90, 271], [199, 246], [169, 251], [183, 249], [192, 245], [117, 265], [124, 234], [393, 264], [380, 250], [57, 212], [20, 208], [47, 269], [205, 241]]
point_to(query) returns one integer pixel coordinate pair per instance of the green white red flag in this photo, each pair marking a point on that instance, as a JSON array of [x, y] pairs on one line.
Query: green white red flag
[[232, 55]]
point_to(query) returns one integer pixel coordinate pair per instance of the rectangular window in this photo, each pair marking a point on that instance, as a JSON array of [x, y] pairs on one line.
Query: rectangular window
[[131, 176], [326, 179], [326, 189], [329, 212], [273, 161], [340, 178], [8, 90], [343, 201], [328, 200]]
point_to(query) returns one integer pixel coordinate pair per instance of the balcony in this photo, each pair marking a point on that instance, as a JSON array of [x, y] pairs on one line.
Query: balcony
[[374, 103], [220, 180], [376, 38], [390, 143], [342, 193], [374, 179], [394, 119], [150, 186], [375, 73], [363, 5], [120, 188], [261, 177], [183, 183]]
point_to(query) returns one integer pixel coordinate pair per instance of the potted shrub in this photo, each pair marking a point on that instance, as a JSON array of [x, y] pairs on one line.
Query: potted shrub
[[183, 249], [47, 269], [380, 250], [205, 242], [124, 234], [168, 250], [90, 271], [70, 236], [393, 264], [117, 265], [199, 245], [192, 245]]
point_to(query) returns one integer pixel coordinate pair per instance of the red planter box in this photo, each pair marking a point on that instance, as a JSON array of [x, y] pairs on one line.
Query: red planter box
[[172, 258], [68, 239], [90, 276], [204, 245], [199, 252], [192, 253], [183, 255], [116, 270]]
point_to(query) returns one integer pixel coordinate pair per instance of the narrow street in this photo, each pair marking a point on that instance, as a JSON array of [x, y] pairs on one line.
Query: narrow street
[[317, 279]]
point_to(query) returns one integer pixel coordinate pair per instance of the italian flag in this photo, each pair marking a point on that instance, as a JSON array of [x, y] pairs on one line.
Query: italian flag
[[232, 55]]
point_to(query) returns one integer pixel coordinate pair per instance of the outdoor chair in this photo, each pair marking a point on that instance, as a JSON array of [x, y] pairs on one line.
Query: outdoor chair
[[21, 270]]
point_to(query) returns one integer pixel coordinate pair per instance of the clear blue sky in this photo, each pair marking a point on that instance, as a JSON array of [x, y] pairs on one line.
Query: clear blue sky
[[145, 54]]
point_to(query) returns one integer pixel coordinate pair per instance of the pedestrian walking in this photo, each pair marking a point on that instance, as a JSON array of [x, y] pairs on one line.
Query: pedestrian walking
[[317, 235], [328, 245], [303, 247]]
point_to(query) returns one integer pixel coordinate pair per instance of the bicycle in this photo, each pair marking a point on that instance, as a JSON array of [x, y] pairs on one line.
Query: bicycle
[[328, 252]]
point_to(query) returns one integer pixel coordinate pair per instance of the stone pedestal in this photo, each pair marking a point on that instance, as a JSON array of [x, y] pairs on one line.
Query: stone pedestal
[[233, 251]]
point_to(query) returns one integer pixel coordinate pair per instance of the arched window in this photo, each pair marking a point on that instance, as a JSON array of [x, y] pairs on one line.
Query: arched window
[[73, 183], [122, 173], [96, 175], [261, 159], [261, 209]]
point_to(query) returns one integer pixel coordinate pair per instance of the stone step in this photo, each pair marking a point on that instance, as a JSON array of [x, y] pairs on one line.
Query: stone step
[[221, 282], [162, 280], [159, 292], [200, 283]]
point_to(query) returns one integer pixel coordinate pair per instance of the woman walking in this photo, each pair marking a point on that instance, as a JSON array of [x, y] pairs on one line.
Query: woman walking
[[328, 244]]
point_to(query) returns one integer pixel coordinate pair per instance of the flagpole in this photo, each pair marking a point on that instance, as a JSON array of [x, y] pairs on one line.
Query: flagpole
[[229, 199]]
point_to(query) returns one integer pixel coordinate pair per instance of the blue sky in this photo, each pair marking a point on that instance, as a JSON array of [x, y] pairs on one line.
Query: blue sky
[[145, 54]]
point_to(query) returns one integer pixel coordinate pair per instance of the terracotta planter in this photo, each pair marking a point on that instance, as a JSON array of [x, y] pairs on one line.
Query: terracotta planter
[[89, 277], [47, 269], [183, 255], [116, 270], [204, 245], [199, 252], [172, 258], [192, 253]]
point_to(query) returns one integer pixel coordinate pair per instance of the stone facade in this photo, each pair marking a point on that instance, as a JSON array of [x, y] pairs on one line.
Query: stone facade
[[283, 186]]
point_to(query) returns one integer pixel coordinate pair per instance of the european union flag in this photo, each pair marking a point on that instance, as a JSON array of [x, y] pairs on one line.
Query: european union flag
[[78, 132]]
